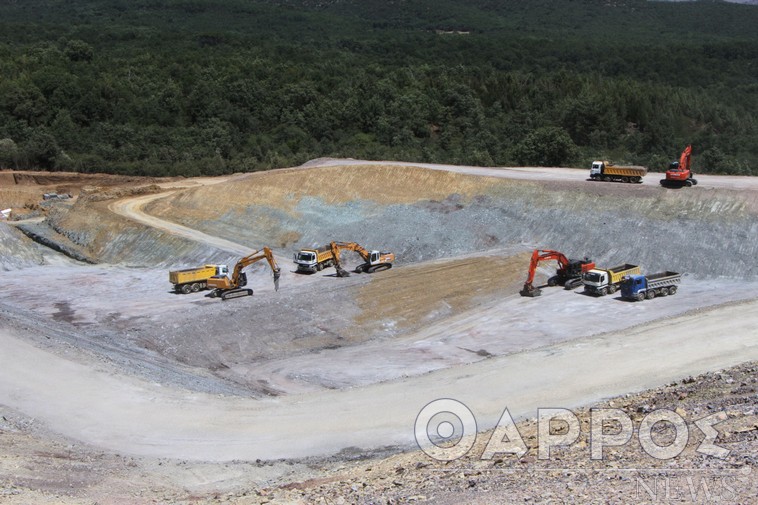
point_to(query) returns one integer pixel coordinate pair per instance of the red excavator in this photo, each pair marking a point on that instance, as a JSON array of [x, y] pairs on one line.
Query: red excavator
[[680, 173], [569, 272]]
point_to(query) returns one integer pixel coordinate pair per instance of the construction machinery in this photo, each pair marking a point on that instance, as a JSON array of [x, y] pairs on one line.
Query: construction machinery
[[680, 172], [231, 286], [639, 287], [192, 280], [601, 281], [569, 273], [314, 260], [607, 171], [373, 261]]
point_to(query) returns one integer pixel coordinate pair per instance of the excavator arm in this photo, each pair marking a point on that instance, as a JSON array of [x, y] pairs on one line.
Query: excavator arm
[[254, 257], [372, 260], [568, 270], [230, 287], [538, 256], [685, 159]]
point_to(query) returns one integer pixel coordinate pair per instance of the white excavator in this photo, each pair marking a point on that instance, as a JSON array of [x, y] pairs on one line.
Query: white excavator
[[373, 261]]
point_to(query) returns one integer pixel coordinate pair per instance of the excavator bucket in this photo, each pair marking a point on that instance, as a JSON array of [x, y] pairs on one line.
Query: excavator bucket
[[530, 290], [277, 274], [341, 272]]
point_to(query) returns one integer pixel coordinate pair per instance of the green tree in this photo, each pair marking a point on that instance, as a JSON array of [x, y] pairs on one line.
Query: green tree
[[546, 146], [8, 154]]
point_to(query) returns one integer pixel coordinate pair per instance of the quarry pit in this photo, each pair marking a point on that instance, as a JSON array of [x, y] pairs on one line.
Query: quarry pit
[[101, 355]]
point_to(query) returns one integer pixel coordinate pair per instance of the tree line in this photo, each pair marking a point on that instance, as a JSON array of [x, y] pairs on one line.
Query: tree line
[[185, 93]]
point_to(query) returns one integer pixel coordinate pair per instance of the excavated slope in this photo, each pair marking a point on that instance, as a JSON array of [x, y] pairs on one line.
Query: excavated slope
[[16, 250], [426, 214]]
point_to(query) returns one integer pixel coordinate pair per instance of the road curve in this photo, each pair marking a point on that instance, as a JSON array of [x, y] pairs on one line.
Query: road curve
[[131, 208], [100, 406]]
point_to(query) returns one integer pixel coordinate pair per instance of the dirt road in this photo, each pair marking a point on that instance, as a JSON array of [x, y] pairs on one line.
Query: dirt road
[[100, 405], [132, 208], [95, 405], [734, 182]]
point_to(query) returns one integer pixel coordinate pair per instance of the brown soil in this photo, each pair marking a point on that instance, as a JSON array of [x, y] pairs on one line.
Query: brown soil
[[449, 288], [283, 189]]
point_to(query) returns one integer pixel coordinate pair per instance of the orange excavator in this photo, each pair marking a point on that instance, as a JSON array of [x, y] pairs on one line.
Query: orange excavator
[[373, 261], [228, 287], [569, 273], [680, 172]]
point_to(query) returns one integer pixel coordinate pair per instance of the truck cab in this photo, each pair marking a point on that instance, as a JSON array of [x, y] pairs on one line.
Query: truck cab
[[305, 260], [633, 285], [594, 280], [597, 169]]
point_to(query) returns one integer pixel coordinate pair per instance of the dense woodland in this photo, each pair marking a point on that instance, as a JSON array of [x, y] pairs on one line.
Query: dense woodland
[[190, 87]]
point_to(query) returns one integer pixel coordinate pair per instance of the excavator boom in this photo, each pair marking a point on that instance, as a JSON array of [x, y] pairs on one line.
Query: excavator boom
[[569, 271], [230, 287], [680, 173], [373, 261]]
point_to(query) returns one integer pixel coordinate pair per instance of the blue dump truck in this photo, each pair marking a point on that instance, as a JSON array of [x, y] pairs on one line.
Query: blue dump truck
[[639, 287]]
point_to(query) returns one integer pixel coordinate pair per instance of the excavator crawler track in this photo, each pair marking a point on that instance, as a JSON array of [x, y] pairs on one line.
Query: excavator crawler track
[[378, 268], [236, 293]]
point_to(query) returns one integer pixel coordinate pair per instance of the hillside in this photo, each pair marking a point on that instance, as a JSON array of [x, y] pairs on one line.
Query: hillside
[[201, 87]]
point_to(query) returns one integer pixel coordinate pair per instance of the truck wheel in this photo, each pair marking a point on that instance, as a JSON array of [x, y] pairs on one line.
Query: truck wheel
[[664, 292], [606, 178], [186, 289], [672, 290], [195, 287], [639, 297], [637, 180], [603, 291], [319, 267], [625, 179], [612, 288], [650, 294]]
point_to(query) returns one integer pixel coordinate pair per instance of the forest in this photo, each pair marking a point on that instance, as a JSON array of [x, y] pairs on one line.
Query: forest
[[207, 87]]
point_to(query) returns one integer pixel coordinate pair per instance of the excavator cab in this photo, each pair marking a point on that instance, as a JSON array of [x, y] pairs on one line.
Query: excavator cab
[[679, 172]]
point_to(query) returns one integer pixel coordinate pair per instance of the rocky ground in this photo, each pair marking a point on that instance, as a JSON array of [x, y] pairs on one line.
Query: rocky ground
[[37, 467], [462, 236]]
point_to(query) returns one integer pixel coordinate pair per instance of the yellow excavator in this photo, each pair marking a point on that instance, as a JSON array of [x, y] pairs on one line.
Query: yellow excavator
[[374, 261], [228, 287]]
